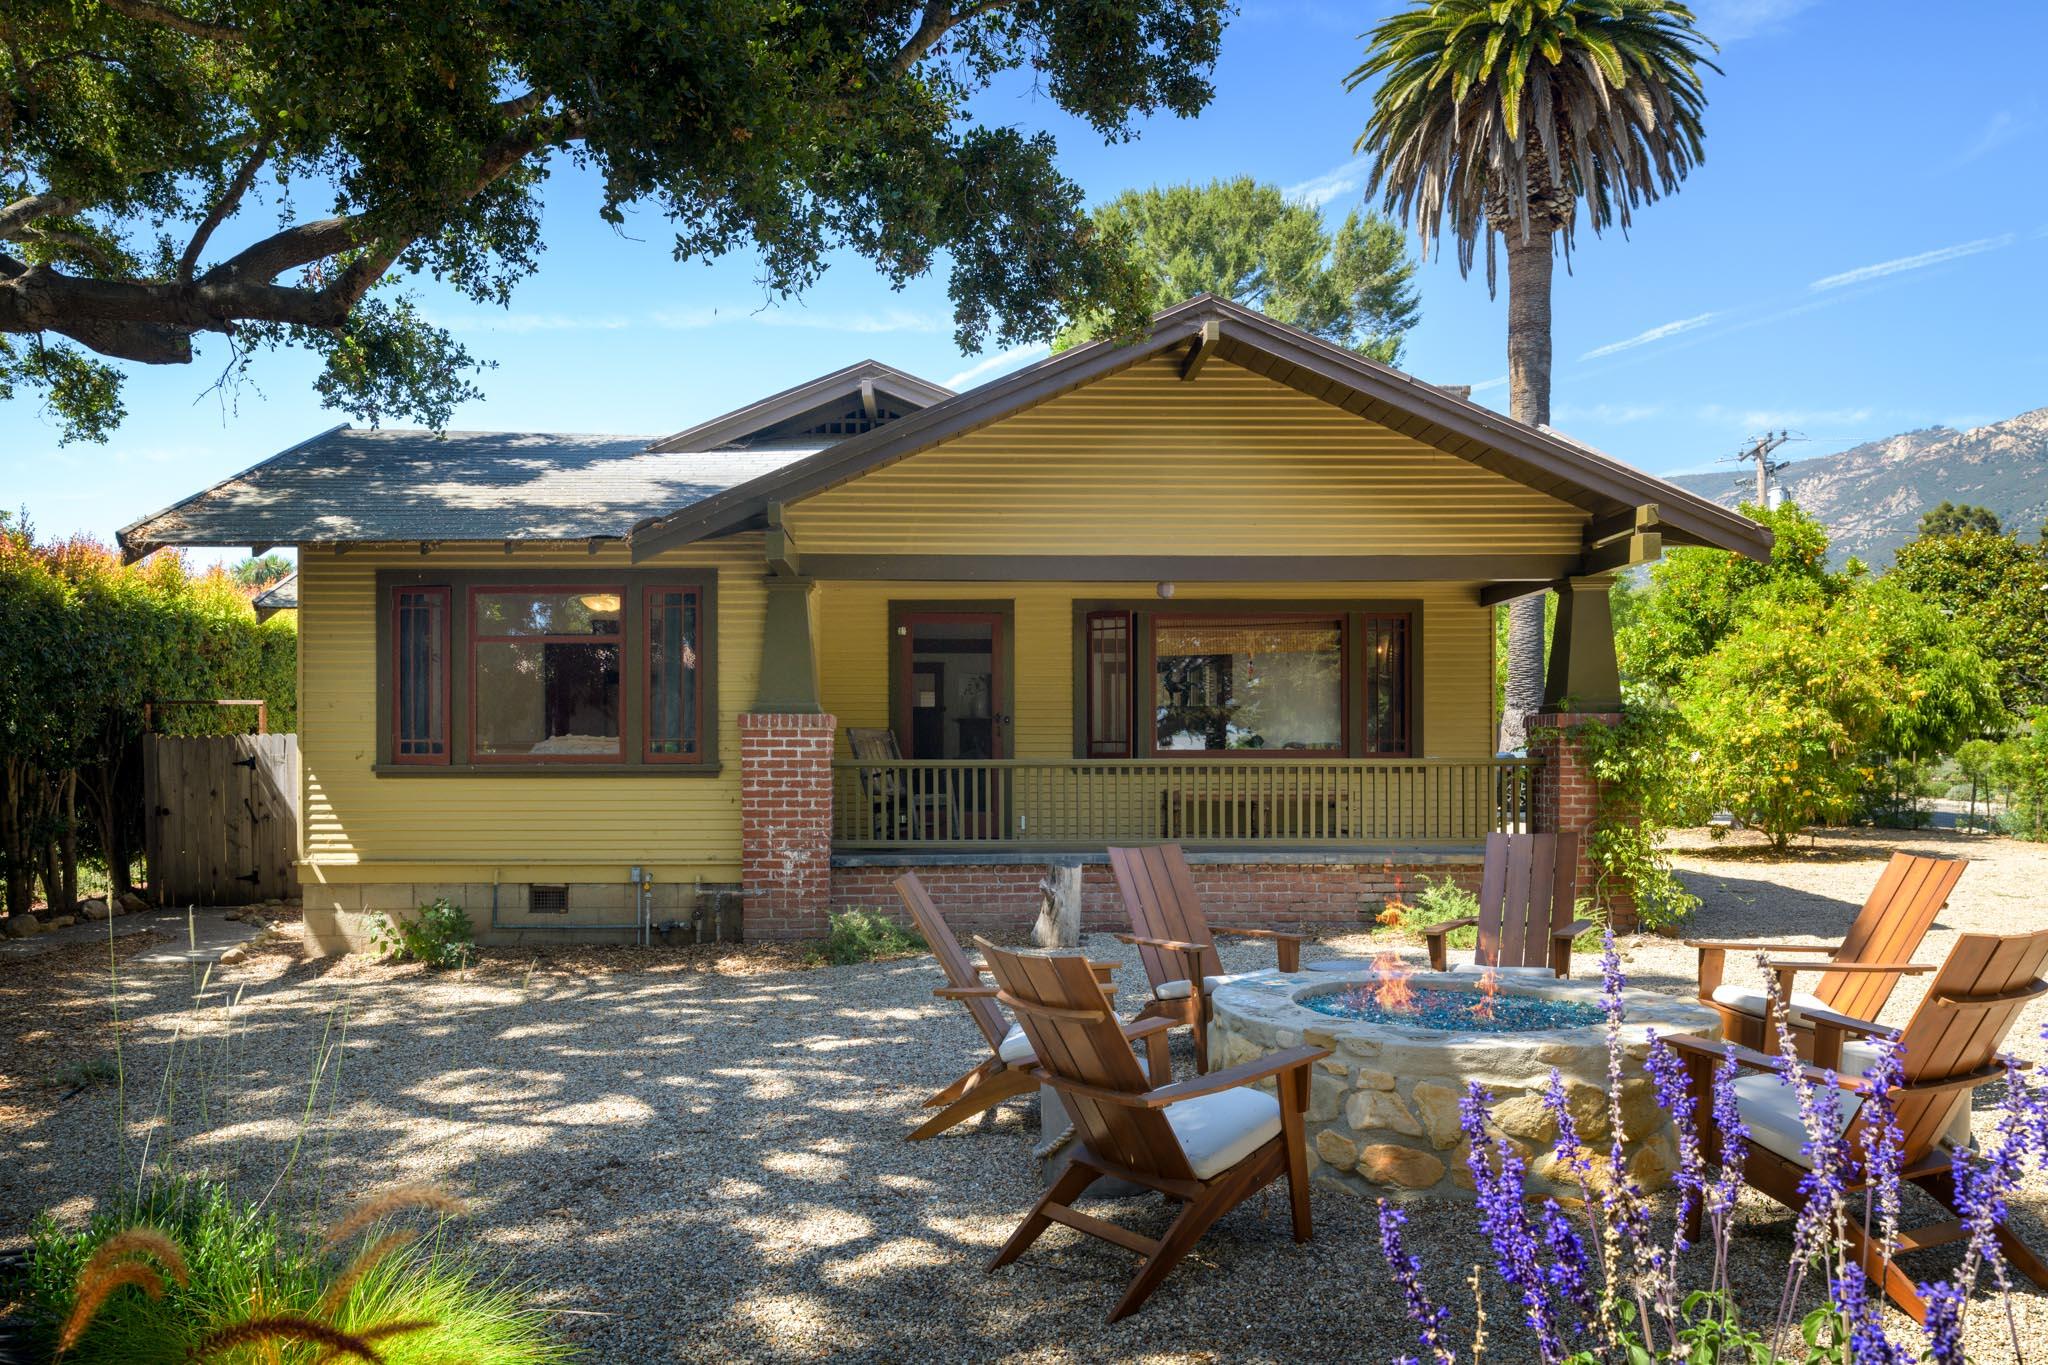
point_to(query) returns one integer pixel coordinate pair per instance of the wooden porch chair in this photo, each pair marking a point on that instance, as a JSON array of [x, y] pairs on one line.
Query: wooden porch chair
[[901, 809], [1209, 1142], [1859, 973], [1525, 908], [1950, 1046], [1174, 940], [1007, 1070]]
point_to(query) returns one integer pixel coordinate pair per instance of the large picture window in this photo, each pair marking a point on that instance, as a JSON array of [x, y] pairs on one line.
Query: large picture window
[[1254, 685], [545, 673], [1243, 680], [587, 671]]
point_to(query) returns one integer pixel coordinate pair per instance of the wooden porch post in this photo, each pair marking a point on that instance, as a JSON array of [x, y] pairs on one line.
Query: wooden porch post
[[1583, 676], [789, 663]]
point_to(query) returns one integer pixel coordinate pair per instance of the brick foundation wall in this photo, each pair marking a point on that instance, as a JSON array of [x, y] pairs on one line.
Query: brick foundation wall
[[1001, 900], [786, 823], [1568, 800]]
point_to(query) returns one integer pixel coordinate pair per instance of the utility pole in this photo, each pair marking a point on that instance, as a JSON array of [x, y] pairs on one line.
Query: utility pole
[[1759, 451]]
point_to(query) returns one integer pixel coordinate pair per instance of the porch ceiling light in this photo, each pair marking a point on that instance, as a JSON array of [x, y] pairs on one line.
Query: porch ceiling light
[[1164, 589], [600, 601]]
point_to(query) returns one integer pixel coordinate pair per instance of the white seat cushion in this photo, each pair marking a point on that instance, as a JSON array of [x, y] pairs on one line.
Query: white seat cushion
[[1512, 973], [1218, 1131], [1179, 990], [1016, 1047], [1756, 1002], [1770, 1110]]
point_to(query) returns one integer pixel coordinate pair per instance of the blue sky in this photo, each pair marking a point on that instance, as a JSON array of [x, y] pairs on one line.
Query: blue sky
[[1862, 253]]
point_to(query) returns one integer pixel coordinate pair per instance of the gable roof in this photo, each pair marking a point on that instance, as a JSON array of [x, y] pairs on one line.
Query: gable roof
[[1536, 457], [365, 486], [865, 380]]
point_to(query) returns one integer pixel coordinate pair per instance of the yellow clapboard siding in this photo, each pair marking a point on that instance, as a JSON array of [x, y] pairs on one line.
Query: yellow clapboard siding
[[681, 826], [1143, 463], [853, 662]]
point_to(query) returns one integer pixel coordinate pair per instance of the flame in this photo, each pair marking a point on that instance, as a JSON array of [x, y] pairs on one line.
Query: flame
[[1393, 991], [1489, 989]]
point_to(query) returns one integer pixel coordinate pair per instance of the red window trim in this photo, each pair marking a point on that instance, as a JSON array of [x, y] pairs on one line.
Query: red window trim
[[1340, 617], [650, 596], [618, 638], [446, 755]]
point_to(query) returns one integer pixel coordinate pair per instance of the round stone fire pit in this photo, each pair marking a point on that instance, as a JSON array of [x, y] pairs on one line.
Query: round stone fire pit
[[1383, 1107]]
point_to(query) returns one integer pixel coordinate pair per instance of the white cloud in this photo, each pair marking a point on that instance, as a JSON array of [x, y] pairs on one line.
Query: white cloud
[[1497, 382], [1613, 414], [1331, 184], [1657, 333], [1901, 264], [1728, 21], [536, 322], [2002, 128], [1750, 420], [990, 366]]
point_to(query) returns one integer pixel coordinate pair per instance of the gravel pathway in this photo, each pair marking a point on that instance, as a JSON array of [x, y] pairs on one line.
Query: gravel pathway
[[699, 1155]]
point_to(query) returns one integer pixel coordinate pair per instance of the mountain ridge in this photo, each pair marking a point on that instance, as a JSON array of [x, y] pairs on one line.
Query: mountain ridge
[[1870, 496]]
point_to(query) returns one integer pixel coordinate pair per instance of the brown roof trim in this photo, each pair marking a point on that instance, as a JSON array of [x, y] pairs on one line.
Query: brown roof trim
[[777, 407], [1535, 457]]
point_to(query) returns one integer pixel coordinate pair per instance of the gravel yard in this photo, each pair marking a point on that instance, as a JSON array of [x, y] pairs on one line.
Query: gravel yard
[[699, 1155]]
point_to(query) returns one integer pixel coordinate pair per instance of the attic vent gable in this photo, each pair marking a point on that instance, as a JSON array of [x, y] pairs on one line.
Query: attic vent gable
[[852, 423]]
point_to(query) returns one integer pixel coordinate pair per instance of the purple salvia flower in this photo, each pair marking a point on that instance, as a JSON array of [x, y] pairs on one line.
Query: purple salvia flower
[[1570, 1273], [1673, 1086], [1883, 1143], [1503, 1217], [1722, 1195], [1869, 1343], [1943, 1329], [1429, 1319]]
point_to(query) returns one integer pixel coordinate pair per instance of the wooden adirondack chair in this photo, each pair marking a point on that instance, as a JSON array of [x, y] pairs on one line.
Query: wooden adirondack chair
[[1007, 1071], [1950, 1047], [1174, 939], [1209, 1142], [1525, 907], [1858, 973]]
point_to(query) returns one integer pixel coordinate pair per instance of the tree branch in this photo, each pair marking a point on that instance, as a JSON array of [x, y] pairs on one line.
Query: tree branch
[[222, 207], [148, 12], [15, 218], [940, 18]]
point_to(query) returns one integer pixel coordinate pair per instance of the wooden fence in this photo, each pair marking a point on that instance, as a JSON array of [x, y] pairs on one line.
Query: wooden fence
[[222, 818]]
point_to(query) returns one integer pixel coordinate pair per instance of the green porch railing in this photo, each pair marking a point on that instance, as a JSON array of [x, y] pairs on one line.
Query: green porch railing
[[1034, 803]]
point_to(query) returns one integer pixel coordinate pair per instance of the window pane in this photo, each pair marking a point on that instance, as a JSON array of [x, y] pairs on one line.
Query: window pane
[[672, 708], [547, 699], [419, 648], [588, 611], [1252, 685], [1109, 684], [1386, 685]]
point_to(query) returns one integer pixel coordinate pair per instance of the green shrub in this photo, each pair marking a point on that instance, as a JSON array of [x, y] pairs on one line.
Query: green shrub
[[242, 1263], [1440, 899], [2022, 770], [440, 936], [866, 936]]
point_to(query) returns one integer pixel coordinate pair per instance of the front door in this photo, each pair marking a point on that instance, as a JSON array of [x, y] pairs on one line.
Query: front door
[[951, 704]]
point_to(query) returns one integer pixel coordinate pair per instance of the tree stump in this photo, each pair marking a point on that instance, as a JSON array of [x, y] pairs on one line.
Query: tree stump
[[1059, 907]]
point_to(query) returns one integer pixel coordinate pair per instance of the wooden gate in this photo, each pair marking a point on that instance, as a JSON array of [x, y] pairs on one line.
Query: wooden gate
[[222, 816]]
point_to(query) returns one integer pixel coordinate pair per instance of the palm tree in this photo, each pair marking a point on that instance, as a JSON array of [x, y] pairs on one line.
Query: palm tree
[[1506, 115]]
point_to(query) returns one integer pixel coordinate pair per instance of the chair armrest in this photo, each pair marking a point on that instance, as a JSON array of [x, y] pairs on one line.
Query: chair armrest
[[1287, 945], [1171, 945], [967, 992], [1737, 945], [1434, 936], [1845, 1023], [1146, 1028], [1574, 929], [1751, 1059], [1902, 968], [1230, 1078]]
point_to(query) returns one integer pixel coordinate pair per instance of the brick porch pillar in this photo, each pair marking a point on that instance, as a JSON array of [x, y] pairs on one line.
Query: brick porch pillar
[[786, 822], [1568, 802]]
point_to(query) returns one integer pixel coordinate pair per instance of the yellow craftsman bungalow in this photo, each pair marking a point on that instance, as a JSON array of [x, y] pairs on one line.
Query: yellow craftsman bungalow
[[1227, 585]]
